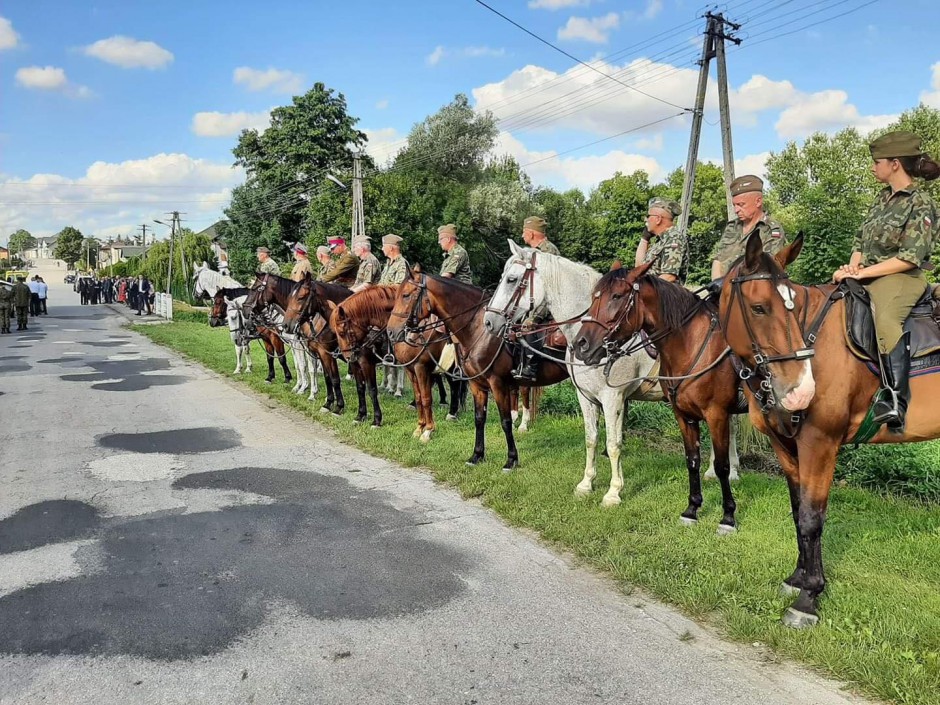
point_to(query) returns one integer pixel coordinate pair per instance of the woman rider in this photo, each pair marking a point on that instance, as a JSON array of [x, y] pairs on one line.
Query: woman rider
[[888, 255]]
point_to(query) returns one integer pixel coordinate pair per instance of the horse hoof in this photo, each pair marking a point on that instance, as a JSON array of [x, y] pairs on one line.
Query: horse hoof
[[507, 469], [417, 432], [268, 381], [356, 422], [688, 521], [398, 395], [473, 461], [376, 425], [522, 429], [580, 491], [426, 437], [451, 417], [726, 530], [799, 620], [609, 502], [787, 590], [324, 410]]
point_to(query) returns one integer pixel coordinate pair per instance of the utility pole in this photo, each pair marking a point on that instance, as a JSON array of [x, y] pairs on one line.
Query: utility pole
[[358, 213], [169, 269], [179, 230], [713, 47], [143, 229]]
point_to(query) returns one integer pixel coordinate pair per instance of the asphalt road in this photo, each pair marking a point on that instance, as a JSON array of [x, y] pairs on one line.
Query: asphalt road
[[166, 537]]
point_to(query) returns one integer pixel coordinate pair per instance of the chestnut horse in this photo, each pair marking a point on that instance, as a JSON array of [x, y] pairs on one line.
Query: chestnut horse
[[273, 345], [701, 383], [809, 394], [484, 359], [359, 323], [299, 319]]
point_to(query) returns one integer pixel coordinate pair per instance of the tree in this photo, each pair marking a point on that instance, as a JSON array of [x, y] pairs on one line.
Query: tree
[[189, 248], [90, 248], [568, 224], [20, 241], [617, 209], [68, 247]]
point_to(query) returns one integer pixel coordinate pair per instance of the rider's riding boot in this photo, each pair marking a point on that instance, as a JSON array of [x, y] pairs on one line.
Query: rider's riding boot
[[528, 369], [893, 400]]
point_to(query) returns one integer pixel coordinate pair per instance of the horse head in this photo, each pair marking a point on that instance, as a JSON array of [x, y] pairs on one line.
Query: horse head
[[348, 329], [300, 304], [615, 315], [218, 316], [411, 305], [520, 291], [760, 320]]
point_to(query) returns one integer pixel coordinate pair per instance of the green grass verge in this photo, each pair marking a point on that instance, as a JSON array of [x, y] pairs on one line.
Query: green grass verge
[[880, 627]]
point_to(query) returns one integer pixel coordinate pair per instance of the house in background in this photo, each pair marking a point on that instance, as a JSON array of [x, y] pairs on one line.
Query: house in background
[[120, 250], [218, 245], [4, 253], [42, 250]]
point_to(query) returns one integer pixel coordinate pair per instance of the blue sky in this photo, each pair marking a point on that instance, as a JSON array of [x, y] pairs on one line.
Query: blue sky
[[113, 112]]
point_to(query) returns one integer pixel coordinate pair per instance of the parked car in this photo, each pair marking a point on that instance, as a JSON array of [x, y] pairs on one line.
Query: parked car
[[69, 278]]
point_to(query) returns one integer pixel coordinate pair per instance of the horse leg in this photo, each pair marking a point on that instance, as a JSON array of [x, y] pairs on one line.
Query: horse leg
[[691, 441], [720, 424], [311, 362], [369, 371], [282, 358], [615, 411], [301, 385], [328, 364], [239, 353], [515, 402], [247, 353], [480, 398], [413, 373], [503, 395], [269, 353], [427, 402], [735, 464], [356, 371], [456, 387], [526, 397], [589, 413]]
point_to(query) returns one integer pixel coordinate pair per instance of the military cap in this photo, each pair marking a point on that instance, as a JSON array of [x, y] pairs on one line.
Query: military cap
[[447, 230], [359, 239], [300, 248], [265, 250], [746, 184], [391, 239], [896, 144], [667, 205], [534, 222], [334, 241]]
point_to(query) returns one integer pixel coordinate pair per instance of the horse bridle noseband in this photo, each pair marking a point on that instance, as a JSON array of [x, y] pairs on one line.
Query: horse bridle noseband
[[526, 283], [614, 349]]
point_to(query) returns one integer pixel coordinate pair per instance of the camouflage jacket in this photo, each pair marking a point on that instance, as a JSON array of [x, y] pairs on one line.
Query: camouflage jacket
[[369, 270], [903, 225], [734, 239], [457, 262], [395, 271], [344, 270], [548, 246], [325, 269], [6, 296], [269, 266], [671, 248], [301, 267], [21, 294]]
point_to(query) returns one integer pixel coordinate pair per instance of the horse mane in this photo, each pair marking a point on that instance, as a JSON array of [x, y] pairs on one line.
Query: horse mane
[[461, 287], [556, 271], [219, 280], [373, 304], [234, 292], [675, 300]]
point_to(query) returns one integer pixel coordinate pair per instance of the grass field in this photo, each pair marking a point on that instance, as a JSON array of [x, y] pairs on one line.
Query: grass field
[[880, 626]]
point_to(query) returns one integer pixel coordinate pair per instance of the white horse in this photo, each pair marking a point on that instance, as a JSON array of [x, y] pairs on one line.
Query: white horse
[[209, 282], [564, 288]]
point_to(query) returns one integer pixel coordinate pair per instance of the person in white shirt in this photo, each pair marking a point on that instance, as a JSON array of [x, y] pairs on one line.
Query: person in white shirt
[[33, 297], [43, 295]]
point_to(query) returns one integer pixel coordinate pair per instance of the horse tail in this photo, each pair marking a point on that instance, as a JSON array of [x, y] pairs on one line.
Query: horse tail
[[535, 393]]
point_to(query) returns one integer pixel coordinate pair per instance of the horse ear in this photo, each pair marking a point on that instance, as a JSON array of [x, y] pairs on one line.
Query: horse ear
[[416, 269], [331, 306], [514, 248], [753, 250], [789, 253], [640, 271], [617, 264]]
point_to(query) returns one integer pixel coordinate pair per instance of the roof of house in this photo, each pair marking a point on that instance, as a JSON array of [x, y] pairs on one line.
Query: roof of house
[[213, 230]]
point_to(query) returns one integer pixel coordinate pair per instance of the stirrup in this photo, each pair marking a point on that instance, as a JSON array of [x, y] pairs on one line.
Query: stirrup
[[888, 400]]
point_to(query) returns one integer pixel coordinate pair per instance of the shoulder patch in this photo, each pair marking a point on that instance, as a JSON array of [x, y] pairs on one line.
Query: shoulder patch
[[776, 233]]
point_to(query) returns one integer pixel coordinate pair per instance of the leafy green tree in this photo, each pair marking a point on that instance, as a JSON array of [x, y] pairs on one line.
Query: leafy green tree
[[568, 224], [189, 248], [617, 209], [20, 241], [497, 209], [90, 247], [68, 247]]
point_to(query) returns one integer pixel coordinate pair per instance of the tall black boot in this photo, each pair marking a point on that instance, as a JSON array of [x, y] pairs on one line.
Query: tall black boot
[[529, 366], [893, 401]]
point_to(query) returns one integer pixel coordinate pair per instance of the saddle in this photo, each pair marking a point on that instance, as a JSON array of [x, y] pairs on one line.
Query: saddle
[[923, 323]]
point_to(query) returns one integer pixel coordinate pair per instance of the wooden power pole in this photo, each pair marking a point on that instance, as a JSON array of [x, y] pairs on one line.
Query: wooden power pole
[[717, 30], [358, 212]]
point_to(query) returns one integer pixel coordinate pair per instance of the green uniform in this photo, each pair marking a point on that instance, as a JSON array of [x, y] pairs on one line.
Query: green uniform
[[549, 247], [903, 225], [670, 247], [269, 266], [395, 271], [344, 270], [6, 306], [369, 270], [326, 269], [734, 240], [21, 295], [301, 269], [457, 263]]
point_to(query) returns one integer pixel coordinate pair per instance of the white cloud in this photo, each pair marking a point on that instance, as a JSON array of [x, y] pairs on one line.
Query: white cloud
[[825, 111], [130, 53], [8, 36], [654, 143], [111, 195], [653, 8], [440, 52], [215, 124], [382, 104], [50, 78], [596, 30], [384, 143], [752, 164], [557, 4], [932, 98], [275, 80], [567, 172]]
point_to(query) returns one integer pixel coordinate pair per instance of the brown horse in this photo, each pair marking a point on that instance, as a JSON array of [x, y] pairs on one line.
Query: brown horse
[[273, 345], [306, 316], [483, 358], [359, 323], [809, 393], [698, 377]]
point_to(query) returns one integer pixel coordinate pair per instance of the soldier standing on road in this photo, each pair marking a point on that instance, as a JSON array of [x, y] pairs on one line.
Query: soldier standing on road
[[21, 301], [456, 262], [670, 248], [266, 264], [533, 234], [369, 268], [891, 250], [396, 266], [345, 266], [6, 306], [302, 264], [747, 197]]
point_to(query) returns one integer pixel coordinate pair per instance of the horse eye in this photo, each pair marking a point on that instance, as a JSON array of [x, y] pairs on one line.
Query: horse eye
[[512, 278], [617, 296], [758, 310]]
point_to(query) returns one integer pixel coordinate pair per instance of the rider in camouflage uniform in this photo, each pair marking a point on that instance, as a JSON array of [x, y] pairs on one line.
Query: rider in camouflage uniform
[[266, 264], [890, 252], [533, 233], [6, 305], [671, 246], [369, 268], [747, 197], [456, 262], [396, 266], [326, 262]]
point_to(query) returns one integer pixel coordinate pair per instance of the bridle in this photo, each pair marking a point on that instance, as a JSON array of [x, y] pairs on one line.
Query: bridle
[[526, 284], [614, 348]]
